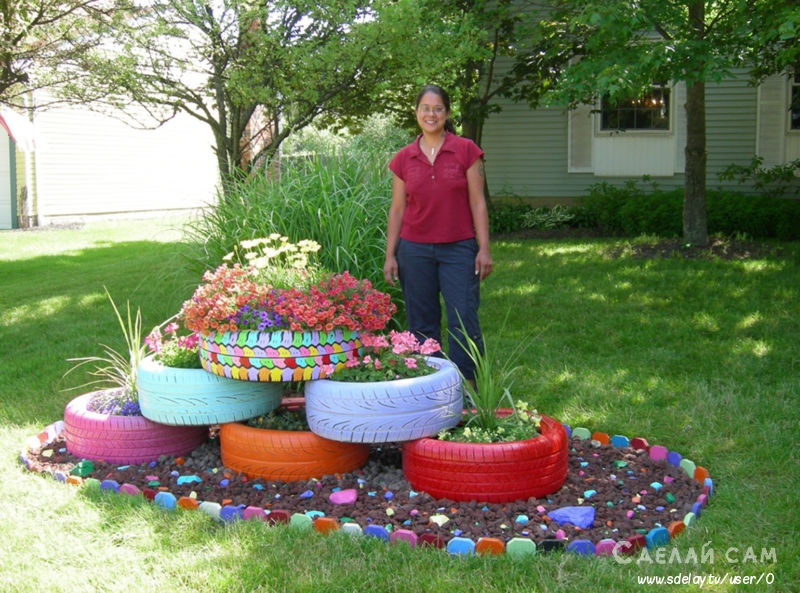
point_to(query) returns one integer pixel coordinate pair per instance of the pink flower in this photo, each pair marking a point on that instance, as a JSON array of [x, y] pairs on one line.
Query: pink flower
[[429, 346], [411, 363]]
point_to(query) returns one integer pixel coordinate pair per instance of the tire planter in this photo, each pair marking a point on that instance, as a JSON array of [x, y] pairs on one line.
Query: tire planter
[[286, 455], [195, 397], [386, 411], [124, 439], [251, 355], [489, 472]]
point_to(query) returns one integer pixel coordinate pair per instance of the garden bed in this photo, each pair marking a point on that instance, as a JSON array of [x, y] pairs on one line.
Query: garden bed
[[629, 491]]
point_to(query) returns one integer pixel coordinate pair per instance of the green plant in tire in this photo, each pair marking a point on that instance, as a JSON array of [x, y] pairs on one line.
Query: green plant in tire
[[114, 371], [492, 415]]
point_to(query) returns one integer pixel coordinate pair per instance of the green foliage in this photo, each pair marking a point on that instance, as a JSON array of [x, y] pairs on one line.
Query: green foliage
[[548, 218], [631, 210], [507, 217], [116, 370], [774, 182]]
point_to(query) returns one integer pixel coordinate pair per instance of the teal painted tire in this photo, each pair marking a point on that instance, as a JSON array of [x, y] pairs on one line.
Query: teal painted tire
[[195, 397]]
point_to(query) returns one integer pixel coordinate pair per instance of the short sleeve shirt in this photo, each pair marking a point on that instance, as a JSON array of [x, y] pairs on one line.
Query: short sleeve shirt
[[437, 198]]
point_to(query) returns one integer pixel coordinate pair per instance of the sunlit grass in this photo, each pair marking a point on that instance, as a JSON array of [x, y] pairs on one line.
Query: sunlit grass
[[702, 356]]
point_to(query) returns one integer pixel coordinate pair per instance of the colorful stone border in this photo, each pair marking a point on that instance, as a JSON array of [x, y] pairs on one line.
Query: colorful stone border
[[517, 547]]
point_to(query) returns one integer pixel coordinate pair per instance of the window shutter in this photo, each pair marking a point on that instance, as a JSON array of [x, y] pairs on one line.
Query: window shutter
[[580, 139], [771, 126]]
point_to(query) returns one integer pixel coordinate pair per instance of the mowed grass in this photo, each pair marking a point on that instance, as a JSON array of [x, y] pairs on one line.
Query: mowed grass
[[702, 356]]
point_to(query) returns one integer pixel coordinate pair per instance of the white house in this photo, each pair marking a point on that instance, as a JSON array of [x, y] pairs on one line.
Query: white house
[[75, 164]]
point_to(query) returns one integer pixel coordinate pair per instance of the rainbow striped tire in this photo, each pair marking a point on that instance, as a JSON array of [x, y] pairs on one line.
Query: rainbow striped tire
[[194, 397], [386, 411], [124, 439], [286, 455], [489, 472], [251, 355]]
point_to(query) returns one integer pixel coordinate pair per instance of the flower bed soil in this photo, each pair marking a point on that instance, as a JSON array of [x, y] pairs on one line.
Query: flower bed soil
[[630, 492]]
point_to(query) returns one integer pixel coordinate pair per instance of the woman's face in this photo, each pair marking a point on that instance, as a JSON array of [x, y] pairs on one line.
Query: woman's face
[[431, 113]]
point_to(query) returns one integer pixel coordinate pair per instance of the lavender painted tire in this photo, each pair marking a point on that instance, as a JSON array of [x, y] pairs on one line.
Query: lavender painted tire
[[386, 411], [124, 439]]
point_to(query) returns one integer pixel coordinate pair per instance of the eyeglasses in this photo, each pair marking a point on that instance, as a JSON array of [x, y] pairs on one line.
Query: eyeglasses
[[426, 109]]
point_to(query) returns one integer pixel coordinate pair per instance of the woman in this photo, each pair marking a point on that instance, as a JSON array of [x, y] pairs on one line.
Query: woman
[[438, 228]]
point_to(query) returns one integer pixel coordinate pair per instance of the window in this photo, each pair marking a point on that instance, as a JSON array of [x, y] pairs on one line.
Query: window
[[647, 112], [794, 103]]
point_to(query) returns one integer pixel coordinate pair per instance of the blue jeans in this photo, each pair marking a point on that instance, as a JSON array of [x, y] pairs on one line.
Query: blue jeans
[[427, 270]]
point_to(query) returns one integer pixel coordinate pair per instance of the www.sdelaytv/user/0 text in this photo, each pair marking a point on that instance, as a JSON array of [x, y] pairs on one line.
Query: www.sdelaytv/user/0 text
[[701, 580]]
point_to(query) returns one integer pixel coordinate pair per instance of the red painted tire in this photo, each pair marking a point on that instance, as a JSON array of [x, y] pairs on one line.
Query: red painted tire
[[124, 439], [286, 455], [491, 472]]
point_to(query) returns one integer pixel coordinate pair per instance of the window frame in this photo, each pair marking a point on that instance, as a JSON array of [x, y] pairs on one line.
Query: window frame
[[669, 91], [793, 102]]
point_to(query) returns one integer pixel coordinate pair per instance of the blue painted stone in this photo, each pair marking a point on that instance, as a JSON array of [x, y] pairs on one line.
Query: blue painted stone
[[582, 517], [581, 547], [314, 514], [697, 508], [619, 440], [522, 519], [674, 458], [189, 480], [230, 513], [589, 493], [710, 484], [111, 485], [165, 500], [656, 537], [376, 531], [307, 494], [461, 546]]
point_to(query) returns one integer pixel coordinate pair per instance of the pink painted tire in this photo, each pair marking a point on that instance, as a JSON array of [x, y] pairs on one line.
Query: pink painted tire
[[491, 472], [124, 439]]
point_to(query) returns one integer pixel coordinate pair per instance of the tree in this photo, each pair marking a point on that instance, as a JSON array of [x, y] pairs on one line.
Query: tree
[[255, 72], [40, 38], [619, 49]]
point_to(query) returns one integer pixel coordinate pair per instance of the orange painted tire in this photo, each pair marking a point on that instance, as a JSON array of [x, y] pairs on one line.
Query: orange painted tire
[[286, 455], [489, 472]]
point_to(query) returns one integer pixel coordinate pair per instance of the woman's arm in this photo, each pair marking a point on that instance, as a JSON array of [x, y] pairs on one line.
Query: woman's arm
[[393, 225], [480, 218]]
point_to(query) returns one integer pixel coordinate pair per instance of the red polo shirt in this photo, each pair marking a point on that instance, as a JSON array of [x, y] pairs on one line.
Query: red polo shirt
[[437, 200]]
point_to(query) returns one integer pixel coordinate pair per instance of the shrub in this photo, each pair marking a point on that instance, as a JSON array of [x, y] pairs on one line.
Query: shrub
[[507, 217]]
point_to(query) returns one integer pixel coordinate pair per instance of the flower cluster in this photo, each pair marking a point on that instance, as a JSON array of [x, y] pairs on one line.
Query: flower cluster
[[400, 356], [114, 402], [276, 261], [171, 349], [234, 297]]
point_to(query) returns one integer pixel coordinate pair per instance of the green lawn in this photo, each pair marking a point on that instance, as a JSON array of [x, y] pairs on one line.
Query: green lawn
[[702, 356]]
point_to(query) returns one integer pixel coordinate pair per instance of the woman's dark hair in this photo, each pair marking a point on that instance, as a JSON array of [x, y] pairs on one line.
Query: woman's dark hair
[[437, 90]]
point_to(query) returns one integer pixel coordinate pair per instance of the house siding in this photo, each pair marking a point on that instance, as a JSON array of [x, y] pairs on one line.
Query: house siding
[[90, 164], [527, 150], [6, 182]]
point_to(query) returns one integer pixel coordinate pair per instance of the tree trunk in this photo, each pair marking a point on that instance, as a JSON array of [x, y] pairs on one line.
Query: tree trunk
[[695, 223]]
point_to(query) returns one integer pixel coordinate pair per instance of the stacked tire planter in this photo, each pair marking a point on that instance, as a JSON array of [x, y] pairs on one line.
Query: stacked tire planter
[[277, 356], [195, 397], [124, 439], [386, 411]]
